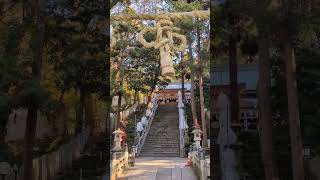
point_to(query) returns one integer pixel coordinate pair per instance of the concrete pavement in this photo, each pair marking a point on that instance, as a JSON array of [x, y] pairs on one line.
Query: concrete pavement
[[159, 168]]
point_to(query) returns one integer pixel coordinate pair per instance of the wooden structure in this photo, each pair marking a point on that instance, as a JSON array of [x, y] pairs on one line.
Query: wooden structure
[[247, 83], [170, 93]]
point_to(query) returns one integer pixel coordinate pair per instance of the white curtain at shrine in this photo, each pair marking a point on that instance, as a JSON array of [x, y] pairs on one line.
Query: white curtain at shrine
[[182, 121]]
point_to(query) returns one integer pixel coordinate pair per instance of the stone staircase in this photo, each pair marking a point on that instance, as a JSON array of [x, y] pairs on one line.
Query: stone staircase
[[163, 137]]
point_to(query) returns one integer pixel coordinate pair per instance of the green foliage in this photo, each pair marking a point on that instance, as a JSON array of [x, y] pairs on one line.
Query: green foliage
[[33, 93], [308, 76], [77, 46], [5, 106], [131, 126]]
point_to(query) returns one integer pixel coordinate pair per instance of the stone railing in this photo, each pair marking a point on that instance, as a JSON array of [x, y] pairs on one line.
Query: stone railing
[[201, 161], [124, 114], [120, 161], [138, 147], [49, 165]]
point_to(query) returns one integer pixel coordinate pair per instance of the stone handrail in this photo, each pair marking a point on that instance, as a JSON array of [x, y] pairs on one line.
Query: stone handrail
[[124, 114], [200, 162], [119, 163], [142, 138], [49, 165]]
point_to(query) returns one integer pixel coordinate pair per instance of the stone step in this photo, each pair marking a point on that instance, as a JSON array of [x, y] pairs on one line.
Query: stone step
[[159, 155], [162, 147], [172, 138], [155, 142], [160, 151], [150, 149], [164, 130], [157, 131], [161, 143], [163, 137]]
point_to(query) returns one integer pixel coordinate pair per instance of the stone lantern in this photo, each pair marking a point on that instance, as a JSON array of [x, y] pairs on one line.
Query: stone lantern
[[197, 136], [117, 139]]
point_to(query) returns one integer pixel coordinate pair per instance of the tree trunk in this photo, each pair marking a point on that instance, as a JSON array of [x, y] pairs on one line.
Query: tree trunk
[[264, 105], [293, 105], [155, 81], [135, 96], [233, 70], [37, 51], [116, 125], [30, 135], [64, 119], [108, 128], [62, 114], [80, 113], [193, 104], [202, 105], [183, 93], [3, 132], [89, 112]]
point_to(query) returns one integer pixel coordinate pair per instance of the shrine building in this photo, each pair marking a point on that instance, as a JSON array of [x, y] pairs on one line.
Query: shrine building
[[247, 83], [170, 92]]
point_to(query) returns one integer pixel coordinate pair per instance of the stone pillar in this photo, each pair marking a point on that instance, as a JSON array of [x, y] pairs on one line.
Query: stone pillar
[[117, 140], [126, 156], [113, 171], [202, 164], [133, 154]]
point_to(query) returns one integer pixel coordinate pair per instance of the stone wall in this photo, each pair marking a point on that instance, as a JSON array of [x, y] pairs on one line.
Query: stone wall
[[49, 165], [17, 123]]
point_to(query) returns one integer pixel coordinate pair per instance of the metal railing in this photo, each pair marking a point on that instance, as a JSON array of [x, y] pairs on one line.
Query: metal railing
[[140, 143]]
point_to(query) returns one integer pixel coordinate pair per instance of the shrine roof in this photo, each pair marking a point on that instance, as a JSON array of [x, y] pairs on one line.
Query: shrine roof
[[247, 74], [176, 86]]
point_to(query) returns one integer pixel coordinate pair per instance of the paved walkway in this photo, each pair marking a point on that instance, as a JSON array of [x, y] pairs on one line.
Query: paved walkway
[[159, 168]]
